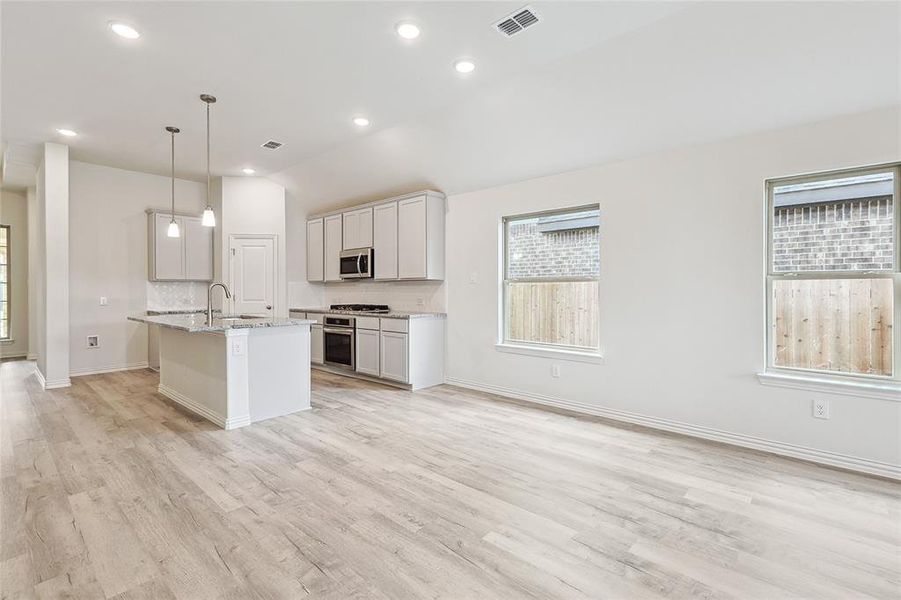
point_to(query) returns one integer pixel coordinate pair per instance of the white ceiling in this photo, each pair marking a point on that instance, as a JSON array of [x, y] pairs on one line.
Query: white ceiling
[[296, 72], [595, 81]]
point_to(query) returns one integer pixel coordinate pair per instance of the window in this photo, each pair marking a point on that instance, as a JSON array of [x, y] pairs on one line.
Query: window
[[4, 282], [832, 274], [551, 270]]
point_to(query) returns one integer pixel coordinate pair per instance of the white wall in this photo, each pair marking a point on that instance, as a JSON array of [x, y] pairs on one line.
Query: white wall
[[53, 269], [250, 206], [108, 257], [301, 293], [682, 291], [14, 212], [33, 272]]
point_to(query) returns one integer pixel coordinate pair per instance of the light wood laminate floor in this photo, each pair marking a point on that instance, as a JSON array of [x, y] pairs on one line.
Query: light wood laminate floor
[[108, 490]]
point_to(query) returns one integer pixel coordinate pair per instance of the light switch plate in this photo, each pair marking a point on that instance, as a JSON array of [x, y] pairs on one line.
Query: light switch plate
[[104, 301], [238, 347]]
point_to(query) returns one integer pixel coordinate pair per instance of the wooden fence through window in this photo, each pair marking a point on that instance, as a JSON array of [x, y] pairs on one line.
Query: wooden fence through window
[[842, 325], [555, 312]]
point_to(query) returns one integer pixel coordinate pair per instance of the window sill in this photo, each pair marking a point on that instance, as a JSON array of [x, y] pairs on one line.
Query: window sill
[[555, 353], [882, 390]]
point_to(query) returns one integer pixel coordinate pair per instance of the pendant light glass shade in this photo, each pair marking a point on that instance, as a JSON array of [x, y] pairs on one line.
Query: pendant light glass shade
[[173, 231], [209, 217]]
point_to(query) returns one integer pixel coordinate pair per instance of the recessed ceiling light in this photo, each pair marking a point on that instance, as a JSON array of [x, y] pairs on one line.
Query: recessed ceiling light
[[248, 171], [66, 132], [123, 30], [464, 65], [361, 121], [407, 30]]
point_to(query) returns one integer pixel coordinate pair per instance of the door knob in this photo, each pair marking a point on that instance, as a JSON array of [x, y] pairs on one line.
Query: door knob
[[268, 307]]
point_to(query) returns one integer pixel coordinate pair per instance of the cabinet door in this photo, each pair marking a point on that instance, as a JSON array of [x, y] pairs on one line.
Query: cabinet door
[[315, 250], [333, 248], [169, 256], [394, 356], [384, 240], [411, 238], [316, 350], [198, 250], [357, 229], [368, 352]]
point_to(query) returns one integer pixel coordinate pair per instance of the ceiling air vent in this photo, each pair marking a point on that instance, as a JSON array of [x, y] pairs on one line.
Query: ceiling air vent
[[513, 24], [272, 145]]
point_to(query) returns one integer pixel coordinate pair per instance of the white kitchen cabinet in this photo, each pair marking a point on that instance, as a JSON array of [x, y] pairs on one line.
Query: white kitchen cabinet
[[188, 257], [198, 250], [315, 250], [358, 228], [420, 237], [332, 247], [393, 350], [406, 232], [317, 351], [384, 240], [368, 352]]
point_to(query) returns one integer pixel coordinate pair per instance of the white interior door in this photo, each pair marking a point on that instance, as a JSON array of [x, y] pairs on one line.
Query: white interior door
[[253, 277]]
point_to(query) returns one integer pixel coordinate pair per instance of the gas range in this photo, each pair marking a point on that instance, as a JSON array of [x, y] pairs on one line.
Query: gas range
[[363, 308]]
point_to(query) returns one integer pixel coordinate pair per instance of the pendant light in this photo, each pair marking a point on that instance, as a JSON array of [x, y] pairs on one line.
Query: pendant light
[[209, 218], [173, 231]]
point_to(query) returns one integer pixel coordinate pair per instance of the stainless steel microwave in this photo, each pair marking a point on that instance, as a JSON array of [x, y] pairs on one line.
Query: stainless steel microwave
[[356, 264]]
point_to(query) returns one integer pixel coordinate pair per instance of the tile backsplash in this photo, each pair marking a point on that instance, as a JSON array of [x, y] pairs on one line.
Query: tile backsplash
[[176, 295], [400, 295]]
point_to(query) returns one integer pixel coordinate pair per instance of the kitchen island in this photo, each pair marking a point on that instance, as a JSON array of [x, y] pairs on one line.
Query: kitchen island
[[236, 370]]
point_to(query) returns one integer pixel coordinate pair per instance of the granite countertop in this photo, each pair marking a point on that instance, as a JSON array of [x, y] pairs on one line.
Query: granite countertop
[[178, 311], [394, 314], [195, 322]]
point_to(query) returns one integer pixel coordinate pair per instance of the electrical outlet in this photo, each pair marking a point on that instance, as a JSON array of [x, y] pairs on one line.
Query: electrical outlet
[[821, 408], [555, 370], [474, 277], [420, 302], [104, 301], [238, 347], [93, 341]]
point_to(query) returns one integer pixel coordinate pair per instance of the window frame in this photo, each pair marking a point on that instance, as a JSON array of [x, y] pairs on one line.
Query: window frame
[[894, 275], [9, 330], [559, 351]]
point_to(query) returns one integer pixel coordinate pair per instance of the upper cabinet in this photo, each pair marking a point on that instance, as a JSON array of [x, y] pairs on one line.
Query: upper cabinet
[[406, 233], [332, 248], [358, 228], [188, 257], [420, 237], [384, 240], [315, 250]]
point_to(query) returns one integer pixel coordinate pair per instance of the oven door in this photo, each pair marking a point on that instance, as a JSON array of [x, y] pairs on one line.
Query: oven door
[[338, 345]]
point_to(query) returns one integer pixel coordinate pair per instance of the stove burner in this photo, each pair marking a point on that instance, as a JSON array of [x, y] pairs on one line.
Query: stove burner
[[370, 308]]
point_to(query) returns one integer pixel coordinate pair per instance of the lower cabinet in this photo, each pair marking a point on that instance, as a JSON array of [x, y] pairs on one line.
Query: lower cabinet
[[368, 352], [317, 354], [394, 349]]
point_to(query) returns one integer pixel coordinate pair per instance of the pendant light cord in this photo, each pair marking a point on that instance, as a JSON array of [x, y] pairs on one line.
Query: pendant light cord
[[172, 134], [208, 154]]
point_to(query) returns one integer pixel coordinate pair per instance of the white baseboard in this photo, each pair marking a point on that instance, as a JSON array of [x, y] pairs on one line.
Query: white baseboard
[[108, 369], [203, 411], [15, 355], [824, 457], [31, 356], [52, 384]]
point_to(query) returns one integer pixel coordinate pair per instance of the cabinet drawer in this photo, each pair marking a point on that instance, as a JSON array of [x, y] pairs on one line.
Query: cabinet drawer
[[368, 323], [318, 317], [398, 325]]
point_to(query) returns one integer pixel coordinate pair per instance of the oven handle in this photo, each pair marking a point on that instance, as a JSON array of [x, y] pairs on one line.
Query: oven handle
[[359, 268], [338, 331]]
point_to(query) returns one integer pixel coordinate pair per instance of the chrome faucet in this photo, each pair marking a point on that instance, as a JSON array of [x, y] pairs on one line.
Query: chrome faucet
[[209, 301]]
